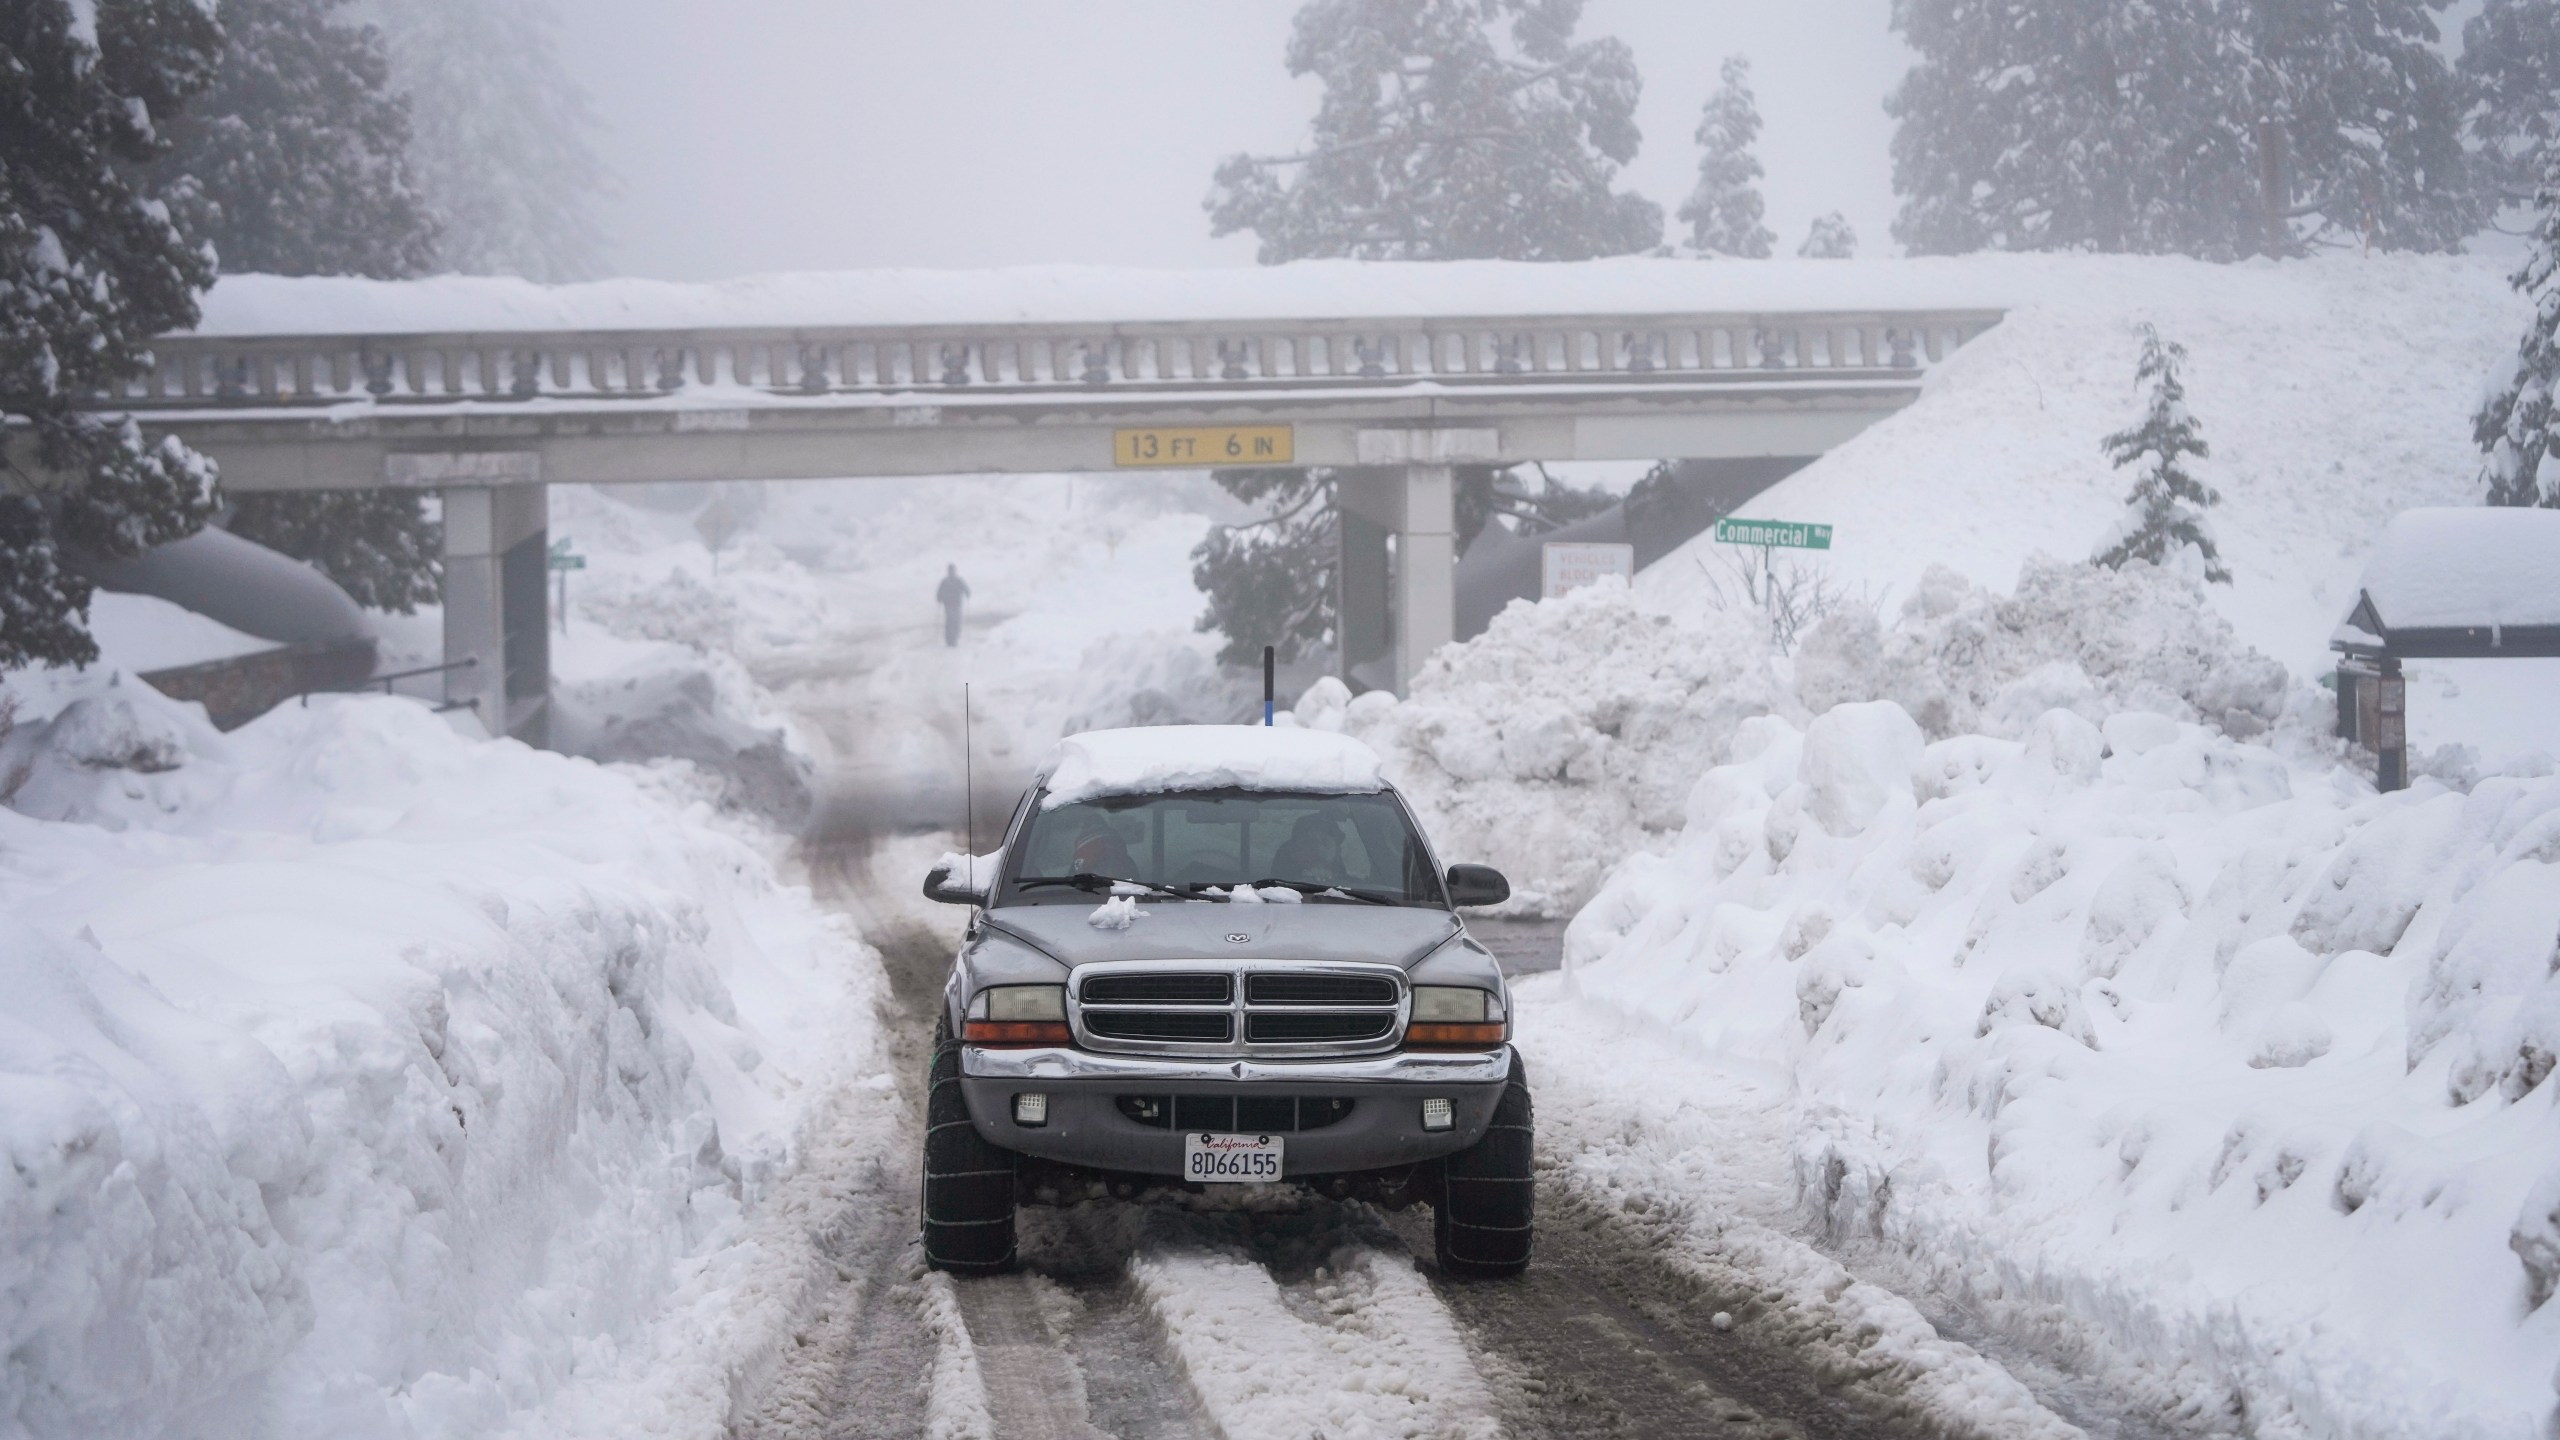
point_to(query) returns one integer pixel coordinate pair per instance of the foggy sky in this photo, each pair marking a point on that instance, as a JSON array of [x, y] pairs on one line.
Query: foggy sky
[[761, 135]]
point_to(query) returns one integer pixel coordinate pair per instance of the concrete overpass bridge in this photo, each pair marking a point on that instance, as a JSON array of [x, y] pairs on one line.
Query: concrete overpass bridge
[[489, 390]]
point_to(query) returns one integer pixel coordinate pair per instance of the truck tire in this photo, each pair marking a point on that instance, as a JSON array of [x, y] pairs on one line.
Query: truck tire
[[968, 1183], [1485, 1219]]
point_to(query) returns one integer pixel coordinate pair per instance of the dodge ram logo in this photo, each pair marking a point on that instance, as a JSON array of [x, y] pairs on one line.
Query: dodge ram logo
[[1239, 938]]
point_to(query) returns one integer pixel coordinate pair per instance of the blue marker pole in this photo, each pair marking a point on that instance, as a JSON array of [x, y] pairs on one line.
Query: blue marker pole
[[1267, 682]]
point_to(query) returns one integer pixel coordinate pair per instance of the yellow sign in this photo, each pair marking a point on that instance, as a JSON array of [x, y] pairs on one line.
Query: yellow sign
[[1204, 445]]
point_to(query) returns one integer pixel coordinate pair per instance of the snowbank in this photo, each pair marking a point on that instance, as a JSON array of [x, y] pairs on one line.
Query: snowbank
[[1208, 757], [362, 1080], [1570, 733], [2144, 1040]]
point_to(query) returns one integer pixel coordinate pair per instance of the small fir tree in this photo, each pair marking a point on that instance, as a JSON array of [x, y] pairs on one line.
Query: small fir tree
[[1830, 239], [1449, 130], [2164, 512], [92, 265], [2518, 427], [1723, 212]]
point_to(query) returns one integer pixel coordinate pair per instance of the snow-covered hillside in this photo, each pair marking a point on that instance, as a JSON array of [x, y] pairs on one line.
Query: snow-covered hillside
[[362, 1079]]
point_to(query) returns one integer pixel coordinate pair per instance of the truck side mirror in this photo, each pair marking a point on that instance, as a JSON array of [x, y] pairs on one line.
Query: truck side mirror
[[1477, 885], [948, 880]]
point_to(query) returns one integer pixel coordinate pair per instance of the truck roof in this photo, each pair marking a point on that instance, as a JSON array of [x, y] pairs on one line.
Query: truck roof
[[1154, 759]]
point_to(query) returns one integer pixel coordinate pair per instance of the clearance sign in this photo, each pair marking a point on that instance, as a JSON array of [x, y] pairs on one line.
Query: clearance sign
[[1202, 445]]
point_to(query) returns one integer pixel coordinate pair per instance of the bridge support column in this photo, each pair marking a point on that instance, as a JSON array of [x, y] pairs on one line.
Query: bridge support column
[[497, 609], [1415, 601]]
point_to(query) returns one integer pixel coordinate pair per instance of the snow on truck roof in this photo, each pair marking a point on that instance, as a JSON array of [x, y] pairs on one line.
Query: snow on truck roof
[[1151, 759], [2460, 568]]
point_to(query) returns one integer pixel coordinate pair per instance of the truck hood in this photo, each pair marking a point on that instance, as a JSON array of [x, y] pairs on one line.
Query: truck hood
[[1191, 930]]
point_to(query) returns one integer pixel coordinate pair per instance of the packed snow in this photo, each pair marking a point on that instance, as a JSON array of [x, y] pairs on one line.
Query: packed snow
[[368, 1080], [2468, 568], [1154, 759]]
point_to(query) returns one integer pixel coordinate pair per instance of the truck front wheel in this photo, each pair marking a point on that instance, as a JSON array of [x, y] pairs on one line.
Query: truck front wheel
[[1485, 1218], [968, 1183]]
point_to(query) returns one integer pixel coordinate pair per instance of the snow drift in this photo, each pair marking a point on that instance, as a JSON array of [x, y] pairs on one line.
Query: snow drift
[[360, 1080]]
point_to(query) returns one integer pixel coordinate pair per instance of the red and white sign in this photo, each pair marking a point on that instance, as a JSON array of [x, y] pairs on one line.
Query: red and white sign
[[1570, 565]]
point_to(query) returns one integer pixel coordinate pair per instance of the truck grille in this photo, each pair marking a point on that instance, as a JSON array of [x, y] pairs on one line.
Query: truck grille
[[1166, 1025], [1238, 1007], [1317, 1025]]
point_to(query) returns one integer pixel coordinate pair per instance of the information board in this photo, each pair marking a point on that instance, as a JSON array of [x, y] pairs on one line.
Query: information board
[[1567, 566]]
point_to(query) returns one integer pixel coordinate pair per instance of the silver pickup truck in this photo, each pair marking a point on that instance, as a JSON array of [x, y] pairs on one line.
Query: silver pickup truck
[[1212, 955]]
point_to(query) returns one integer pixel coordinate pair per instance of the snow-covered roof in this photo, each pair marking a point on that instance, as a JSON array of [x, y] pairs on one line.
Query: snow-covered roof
[[2469, 568], [1149, 759], [1309, 290]]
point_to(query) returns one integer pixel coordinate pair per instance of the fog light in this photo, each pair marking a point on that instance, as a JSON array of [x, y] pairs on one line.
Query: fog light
[[1030, 1110], [1438, 1115]]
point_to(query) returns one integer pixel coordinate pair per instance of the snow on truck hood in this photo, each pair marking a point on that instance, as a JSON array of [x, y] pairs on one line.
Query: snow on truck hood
[[1158, 758], [1197, 930]]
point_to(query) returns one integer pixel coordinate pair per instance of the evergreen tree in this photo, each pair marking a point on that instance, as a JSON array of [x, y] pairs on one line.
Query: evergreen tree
[[1723, 212], [500, 136], [1271, 581], [2164, 512], [2511, 79], [1449, 130], [301, 150], [2519, 427], [1830, 239], [2218, 128], [91, 267]]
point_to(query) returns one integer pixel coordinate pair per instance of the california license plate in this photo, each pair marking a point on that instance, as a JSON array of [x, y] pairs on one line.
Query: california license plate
[[1230, 1159]]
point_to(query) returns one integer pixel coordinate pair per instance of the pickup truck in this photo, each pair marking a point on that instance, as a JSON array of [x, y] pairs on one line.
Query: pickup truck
[[1222, 955]]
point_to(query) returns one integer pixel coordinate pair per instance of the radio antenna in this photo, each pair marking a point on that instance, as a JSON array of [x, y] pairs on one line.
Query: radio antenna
[[969, 782]]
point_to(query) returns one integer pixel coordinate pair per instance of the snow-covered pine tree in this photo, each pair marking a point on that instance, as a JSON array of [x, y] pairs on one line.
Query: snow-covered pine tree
[[1723, 212], [2511, 82], [91, 267], [300, 150], [2164, 512], [1449, 130], [2520, 425], [1831, 238], [501, 137], [2220, 128], [2353, 119]]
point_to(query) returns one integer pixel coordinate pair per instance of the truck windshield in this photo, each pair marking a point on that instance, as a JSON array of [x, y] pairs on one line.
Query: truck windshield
[[1324, 846]]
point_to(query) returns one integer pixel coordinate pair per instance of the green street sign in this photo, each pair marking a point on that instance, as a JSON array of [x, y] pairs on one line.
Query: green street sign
[[560, 561], [1784, 533]]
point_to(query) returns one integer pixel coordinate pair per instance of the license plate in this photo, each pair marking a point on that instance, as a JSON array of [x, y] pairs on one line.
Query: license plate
[[1230, 1159]]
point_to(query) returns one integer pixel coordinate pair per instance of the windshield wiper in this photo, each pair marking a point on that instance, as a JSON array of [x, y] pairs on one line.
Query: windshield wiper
[[1091, 883], [1313, 890]]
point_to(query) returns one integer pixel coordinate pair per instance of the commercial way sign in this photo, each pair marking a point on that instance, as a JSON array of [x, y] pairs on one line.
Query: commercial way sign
[[1784, 534]]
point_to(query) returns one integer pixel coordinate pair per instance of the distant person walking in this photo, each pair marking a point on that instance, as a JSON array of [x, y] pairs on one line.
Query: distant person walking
[[951, 592]]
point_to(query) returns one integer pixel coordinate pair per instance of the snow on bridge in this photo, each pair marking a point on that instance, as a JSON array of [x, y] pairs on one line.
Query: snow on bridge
[[490, 389]]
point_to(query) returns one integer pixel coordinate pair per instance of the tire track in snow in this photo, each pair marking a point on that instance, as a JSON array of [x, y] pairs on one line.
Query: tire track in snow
[[1303, 1324]]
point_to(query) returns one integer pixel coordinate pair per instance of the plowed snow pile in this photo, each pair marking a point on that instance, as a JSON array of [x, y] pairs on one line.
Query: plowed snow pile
[[2104, 992], [360, 1080]]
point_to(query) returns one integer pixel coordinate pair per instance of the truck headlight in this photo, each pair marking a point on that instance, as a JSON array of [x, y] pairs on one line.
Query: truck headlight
[[1018, 1015], [1456, 1017]]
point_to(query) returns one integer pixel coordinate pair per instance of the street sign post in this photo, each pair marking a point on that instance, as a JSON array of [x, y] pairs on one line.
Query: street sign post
[[561, 563], [1781, 534], [1566, 566]]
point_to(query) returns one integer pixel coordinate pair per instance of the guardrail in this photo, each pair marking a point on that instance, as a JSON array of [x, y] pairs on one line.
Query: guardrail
[[199, 371]]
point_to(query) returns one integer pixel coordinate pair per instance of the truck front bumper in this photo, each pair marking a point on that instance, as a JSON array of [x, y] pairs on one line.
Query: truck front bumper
[[1087, 1125]]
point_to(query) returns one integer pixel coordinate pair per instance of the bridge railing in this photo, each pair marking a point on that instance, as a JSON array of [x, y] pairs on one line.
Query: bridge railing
[[198, 371]]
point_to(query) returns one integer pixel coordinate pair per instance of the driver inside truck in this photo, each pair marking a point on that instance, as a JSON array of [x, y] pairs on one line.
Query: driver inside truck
[[1313, 852]]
